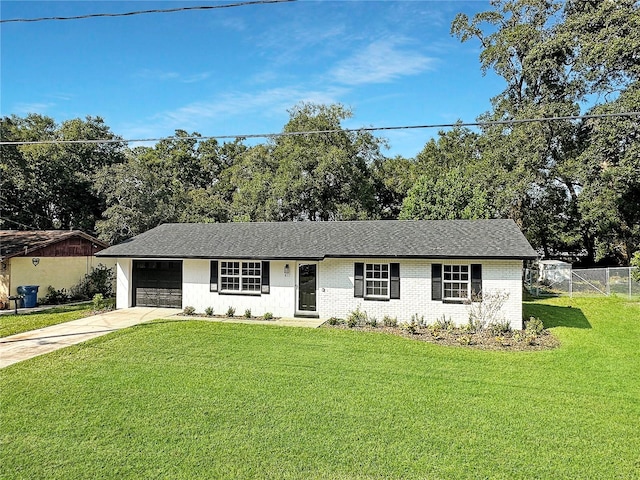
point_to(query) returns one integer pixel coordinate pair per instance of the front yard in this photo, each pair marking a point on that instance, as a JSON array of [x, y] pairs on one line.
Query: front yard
[[11, 324], [194, 399]]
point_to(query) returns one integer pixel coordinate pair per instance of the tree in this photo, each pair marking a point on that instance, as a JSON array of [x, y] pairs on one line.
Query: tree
[[50, 185], [554, 57], [323, 176], [454, 180]]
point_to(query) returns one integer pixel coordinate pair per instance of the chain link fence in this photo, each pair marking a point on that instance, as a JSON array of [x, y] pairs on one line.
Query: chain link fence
[[584, 281]]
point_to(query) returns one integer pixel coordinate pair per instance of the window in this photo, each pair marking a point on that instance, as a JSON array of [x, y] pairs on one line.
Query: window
[[377, 280], [240, 276], [455, 282]]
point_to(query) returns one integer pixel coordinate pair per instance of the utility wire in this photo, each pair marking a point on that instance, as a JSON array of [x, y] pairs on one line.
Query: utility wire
[[337, 130], [18, 223], [144, 12]]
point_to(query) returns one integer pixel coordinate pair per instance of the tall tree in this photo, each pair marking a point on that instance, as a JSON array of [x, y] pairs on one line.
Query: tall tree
[[554, 57], [50, 185], [324, 176]]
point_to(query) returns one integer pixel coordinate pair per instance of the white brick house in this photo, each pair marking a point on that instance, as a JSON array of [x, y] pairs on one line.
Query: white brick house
[[326, 269]]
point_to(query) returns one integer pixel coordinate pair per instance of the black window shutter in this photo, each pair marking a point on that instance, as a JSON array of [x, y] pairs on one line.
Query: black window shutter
[[265, 277], [476, 281], [394, 284], [213, 276], [436, 281], [358, 280]]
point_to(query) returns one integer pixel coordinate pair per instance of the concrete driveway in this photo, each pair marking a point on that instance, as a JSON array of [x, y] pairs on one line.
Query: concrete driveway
[[22, 346]]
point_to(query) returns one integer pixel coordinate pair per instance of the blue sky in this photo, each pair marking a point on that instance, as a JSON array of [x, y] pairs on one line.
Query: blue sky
[[238, 70]]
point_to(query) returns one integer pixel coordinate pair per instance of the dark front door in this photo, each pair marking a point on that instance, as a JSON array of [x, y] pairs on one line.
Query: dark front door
[[157, 283], [307, 287]]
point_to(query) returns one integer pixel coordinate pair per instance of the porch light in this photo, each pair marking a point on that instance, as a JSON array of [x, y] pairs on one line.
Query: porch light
[[286, 269], [35, 261]]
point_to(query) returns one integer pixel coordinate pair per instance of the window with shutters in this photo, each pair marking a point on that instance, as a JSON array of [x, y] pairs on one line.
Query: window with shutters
[[456, 283], [236, 276], [376, 276]]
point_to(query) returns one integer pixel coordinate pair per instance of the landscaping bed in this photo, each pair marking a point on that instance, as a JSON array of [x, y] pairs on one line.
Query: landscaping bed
[[462, 337]]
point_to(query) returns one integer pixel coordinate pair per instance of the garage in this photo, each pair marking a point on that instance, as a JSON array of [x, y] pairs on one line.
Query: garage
[[157, 283]]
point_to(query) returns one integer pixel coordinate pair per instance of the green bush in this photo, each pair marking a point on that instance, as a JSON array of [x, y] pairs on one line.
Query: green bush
[[98, 302], [356, 317], [388, 321], [372, 322], [533, 326], [247, 313], [231, 312], [268, 316], [444, 323], [100, 280], [189, 311], [208, 311], [56, 297], [335, 321], [412, 326], [499, 327]]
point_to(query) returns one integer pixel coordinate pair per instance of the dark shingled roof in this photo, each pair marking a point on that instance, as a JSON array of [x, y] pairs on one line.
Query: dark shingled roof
[[14, 243], [317, 240]]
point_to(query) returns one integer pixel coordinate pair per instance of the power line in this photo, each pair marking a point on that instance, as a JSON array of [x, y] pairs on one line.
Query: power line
[[18, 223], [337, 130], [144, 12]]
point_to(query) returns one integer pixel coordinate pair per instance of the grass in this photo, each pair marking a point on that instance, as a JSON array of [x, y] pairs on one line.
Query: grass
[[194, 399], [11, 324]]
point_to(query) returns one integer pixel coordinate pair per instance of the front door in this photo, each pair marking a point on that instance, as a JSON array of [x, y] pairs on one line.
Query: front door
[[307, 287]]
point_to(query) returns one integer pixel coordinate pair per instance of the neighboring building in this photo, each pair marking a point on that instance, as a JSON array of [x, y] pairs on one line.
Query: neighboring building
[[60, 258], [325, 269]]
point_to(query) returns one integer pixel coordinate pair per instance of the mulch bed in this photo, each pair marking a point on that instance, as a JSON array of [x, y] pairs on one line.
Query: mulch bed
[[460, 338]]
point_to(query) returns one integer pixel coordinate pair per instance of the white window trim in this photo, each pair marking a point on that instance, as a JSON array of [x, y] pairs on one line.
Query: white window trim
[[387, 280], [468, 282], [240, 277]]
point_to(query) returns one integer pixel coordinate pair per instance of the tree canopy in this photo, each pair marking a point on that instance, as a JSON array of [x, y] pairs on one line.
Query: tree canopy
[[573, 186]]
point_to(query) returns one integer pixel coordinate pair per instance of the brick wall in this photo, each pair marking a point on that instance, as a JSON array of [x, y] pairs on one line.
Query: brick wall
[[335, 290]]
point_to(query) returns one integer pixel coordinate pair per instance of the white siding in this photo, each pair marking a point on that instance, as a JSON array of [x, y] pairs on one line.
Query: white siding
[[335, 296]]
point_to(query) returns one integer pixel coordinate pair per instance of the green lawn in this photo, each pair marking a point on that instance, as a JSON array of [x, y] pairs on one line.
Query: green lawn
[[11, 324], [195, 399]]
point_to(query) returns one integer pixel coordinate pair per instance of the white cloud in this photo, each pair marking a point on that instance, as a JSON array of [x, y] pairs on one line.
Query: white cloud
[[380, 62], [267, 103], [22, 109], [172, 76]]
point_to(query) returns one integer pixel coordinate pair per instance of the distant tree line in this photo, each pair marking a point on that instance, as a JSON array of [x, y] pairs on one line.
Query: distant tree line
[[572, 186]]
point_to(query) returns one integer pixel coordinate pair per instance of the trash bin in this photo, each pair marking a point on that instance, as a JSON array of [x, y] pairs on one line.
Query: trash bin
[[30, 294]]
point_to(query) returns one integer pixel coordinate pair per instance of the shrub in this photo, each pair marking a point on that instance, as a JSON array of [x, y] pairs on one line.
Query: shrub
[[335, 321], [247, 313], [100, 280], [388, 321], [499, 327], [533, 326], [465, 339], [208, 311], [412, 326], [444, 323], [356, 317], [372, 322], [488, 311], [98, 302], [189, 310], [56, 297], [418, 320], [268, 316], [231, 312]]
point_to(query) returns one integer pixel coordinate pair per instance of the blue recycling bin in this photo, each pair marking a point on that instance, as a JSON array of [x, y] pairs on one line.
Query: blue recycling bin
[[30, 295]]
